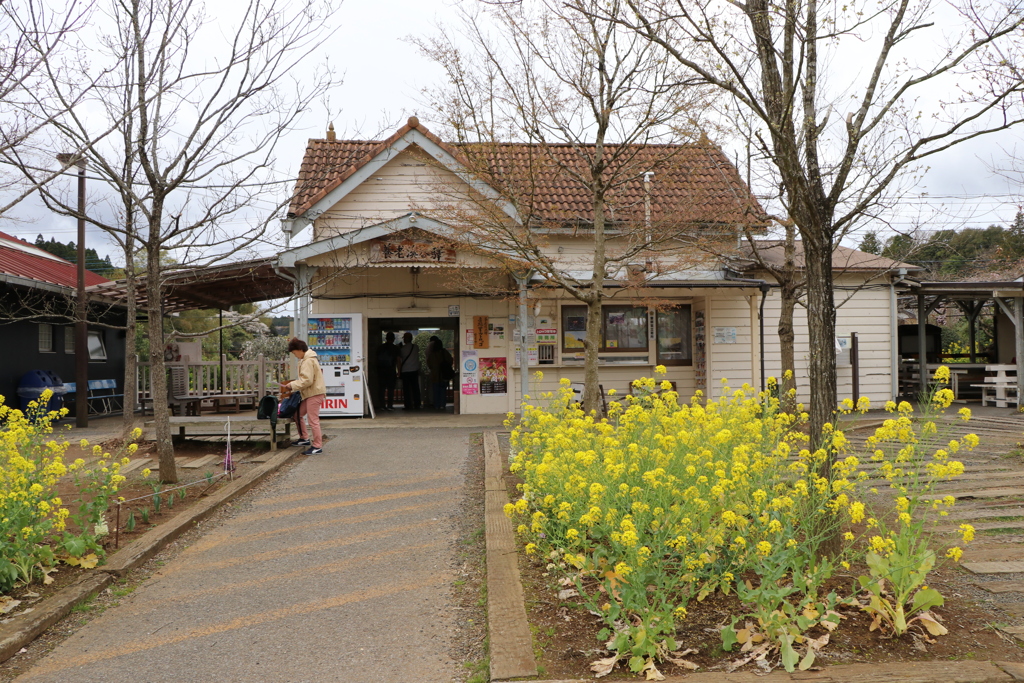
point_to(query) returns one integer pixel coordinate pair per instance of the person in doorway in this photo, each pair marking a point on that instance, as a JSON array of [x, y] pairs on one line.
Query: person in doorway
[[387, 373], [313, 389], [408, 365], [439, 364]]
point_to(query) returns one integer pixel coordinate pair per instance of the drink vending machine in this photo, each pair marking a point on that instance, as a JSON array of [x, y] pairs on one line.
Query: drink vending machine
[[338, 342]]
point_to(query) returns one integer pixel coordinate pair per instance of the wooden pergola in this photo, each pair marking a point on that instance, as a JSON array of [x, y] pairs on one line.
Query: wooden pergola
[[217, 287], [971, 298]]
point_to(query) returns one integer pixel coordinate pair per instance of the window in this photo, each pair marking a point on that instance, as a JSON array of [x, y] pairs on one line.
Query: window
[[46, 339], [623, 328], [97, 348], [69, 340], [673, 338]]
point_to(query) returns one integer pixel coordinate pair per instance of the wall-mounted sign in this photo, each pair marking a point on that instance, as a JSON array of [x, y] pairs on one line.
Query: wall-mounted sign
[[468, 373], [402, 250], [453, 311], [481, 335], [724, 335]]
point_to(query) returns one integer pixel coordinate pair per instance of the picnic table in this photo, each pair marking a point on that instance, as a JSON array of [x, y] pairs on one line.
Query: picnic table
[[1001, 387]]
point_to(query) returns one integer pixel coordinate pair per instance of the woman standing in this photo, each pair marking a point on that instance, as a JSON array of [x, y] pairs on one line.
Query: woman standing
[[311, 386], [408, 363]]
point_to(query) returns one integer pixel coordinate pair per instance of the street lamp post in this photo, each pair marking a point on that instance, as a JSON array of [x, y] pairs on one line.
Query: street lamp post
[[81, 302]]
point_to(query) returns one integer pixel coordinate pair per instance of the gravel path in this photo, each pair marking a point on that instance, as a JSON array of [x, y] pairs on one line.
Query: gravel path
[[340, 571]]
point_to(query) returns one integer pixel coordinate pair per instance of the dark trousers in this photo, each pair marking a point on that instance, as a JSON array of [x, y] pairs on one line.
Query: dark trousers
[[411, 389], [387, 390], [438, 390]]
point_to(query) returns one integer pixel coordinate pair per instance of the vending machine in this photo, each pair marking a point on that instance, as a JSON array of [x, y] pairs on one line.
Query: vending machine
[[338, 342]]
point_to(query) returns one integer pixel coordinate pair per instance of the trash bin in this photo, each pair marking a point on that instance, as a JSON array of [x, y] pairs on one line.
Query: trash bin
[[35, 382]]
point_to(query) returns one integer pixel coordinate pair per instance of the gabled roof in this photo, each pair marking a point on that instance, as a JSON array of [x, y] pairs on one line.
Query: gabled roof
[[691, 183], [26, 261], [843, 258]]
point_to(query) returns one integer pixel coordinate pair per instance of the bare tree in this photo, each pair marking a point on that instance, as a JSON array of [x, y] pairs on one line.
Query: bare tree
[[32, 34], [186, 146], [850, 98], [548, 93]]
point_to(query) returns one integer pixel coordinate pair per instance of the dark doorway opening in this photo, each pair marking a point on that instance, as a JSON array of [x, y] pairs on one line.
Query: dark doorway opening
[[446, 329]]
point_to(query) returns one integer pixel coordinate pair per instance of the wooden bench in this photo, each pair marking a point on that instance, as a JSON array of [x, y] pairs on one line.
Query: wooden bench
[[1000, 388], [244, 428], [101, 395]]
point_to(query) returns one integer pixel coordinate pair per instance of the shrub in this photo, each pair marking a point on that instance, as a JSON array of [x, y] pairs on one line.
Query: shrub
[[33, 519], [661, 504]]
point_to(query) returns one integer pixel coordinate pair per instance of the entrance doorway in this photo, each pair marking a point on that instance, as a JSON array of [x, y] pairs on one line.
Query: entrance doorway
[[422, 329]]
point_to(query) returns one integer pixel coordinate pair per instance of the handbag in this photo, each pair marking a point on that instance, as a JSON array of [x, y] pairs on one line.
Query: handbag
[[289, 405]]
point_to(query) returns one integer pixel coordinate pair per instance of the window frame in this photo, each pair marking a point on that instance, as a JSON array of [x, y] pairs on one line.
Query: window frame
[[97, 334], [69, 340], [657, 335], [45, 338], [605, 310]]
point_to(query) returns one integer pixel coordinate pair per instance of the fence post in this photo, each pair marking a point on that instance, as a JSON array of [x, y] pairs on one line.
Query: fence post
[[261, 376]]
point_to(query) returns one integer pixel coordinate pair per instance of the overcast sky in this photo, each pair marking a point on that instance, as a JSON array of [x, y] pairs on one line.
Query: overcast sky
[[384, 74]]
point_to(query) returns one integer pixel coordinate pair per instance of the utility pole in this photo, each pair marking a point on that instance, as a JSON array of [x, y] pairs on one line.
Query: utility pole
[[81, 302]]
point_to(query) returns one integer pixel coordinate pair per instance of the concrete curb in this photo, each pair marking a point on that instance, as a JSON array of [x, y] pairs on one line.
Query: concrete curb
[[27, 626], [511, 657], [511, 643]]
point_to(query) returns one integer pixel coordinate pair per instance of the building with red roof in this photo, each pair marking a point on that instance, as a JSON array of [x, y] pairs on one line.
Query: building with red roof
[[37, 304]]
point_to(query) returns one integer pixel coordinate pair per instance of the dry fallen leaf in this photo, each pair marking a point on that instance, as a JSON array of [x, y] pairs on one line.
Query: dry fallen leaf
[[652, 671], [677, 659], [567, 593], [603, 667], [7, 604]]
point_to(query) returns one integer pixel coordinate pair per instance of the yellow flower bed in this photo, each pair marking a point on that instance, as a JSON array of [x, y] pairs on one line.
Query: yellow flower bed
[[661, 504], [34, 532]]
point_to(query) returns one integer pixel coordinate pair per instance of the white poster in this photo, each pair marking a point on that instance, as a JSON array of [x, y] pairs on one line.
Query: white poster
[[469, 371]]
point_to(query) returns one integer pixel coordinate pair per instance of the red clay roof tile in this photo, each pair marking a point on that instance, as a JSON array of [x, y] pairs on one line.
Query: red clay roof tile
[[692, 183]]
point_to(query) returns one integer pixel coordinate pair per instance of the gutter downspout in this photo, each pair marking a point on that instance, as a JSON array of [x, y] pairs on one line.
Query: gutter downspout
[[284, 274], [894, 341], [765, 288]]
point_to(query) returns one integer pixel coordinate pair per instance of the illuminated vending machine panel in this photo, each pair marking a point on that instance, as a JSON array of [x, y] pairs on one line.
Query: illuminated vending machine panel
[[338, 342]]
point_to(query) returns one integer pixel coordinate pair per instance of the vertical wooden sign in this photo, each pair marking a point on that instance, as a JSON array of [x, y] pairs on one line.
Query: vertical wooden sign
[[481, 335]]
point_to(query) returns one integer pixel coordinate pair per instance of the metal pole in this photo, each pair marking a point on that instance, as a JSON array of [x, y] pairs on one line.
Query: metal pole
[[524, 357]]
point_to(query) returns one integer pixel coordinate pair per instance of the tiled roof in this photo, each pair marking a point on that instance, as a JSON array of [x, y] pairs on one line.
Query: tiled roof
[[690, 183], [22, 259], [772, 252]]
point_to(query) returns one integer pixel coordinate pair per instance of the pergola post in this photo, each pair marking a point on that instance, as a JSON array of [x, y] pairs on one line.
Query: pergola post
[[1018, 336], [922, 344]]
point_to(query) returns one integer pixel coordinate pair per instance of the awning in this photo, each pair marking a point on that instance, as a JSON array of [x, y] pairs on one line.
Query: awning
[[217, 287]]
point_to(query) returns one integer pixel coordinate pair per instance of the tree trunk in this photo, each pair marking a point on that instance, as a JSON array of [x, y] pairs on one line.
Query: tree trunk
[[158, 371], [131, 364], [821, 327], [787, 347], [591, 345]]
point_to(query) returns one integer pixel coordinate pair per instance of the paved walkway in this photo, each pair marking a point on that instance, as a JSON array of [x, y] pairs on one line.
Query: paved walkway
[[339, 571]]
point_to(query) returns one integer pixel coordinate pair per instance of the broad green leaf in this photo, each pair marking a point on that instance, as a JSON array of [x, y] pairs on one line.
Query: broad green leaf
[[74, 546], [926, 599], [728, 638], [808, 659], [790, 658]]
